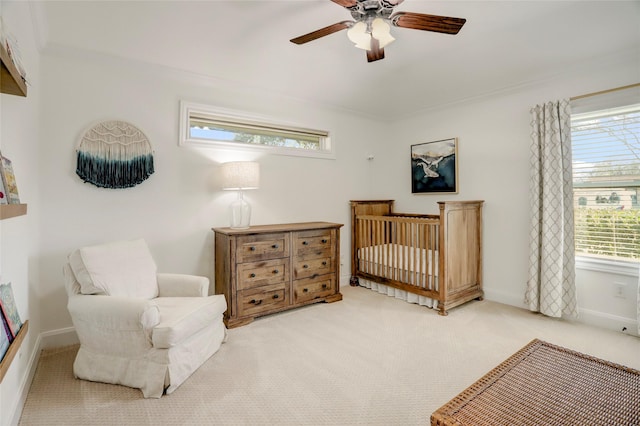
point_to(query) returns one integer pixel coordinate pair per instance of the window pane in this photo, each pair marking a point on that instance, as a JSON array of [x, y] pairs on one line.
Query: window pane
[[253, 137], [606, 181], [248, 132]]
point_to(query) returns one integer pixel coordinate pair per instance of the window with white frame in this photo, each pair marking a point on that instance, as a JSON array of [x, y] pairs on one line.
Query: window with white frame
[[204, 125], [606, 182]]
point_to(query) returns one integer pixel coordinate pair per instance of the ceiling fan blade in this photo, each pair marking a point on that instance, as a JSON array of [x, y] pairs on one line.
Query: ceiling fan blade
[[420, 21], [376, 52], [346, 3], [322, 32]]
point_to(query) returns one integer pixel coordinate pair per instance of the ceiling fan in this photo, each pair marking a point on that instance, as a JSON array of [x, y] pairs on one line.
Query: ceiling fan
[[370, 29]]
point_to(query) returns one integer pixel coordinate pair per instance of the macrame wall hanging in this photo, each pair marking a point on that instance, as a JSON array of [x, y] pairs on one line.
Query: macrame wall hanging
[[114, 154]]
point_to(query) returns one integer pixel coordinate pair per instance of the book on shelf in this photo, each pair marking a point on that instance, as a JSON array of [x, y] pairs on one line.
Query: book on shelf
[[3, 193], [5, 327], [9, 180], [10, 44], [4, 341], [9, 309]]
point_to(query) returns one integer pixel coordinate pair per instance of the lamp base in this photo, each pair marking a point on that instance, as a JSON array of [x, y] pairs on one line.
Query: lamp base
[[240, 213]]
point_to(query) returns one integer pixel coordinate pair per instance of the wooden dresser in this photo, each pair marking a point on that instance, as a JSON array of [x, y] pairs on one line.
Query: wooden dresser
[[272, 268]]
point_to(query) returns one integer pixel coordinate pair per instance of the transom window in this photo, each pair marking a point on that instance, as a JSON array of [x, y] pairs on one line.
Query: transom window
[[606, 182], [207, 126]]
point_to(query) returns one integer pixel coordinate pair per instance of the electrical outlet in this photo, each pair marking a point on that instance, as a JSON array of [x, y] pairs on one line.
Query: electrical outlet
[[618, 290]]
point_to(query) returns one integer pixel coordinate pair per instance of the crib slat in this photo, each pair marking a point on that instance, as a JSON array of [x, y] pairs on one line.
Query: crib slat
[[434, 259], [367, 226], [427, 260], [363, 245], [375, 257], [395, 265], [405, 274], [422, 271], [403, 257], [379, 256], [387, 235], [417, 258]]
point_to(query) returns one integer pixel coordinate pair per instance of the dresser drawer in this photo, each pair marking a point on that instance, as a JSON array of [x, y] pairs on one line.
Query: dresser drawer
[[304, 268], [312, 288], [256, 274], [315, 243], [261, 299], [251, 248]]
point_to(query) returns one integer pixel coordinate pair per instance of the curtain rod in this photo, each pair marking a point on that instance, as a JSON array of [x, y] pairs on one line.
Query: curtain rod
[[602, 92]]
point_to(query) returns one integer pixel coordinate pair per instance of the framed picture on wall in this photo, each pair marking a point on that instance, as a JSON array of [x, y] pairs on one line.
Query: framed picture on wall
[[434, 167]]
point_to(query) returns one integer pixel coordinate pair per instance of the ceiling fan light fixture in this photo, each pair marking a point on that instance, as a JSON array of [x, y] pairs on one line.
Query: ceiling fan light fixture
[[370, 28], [359, 36], [381, 31]]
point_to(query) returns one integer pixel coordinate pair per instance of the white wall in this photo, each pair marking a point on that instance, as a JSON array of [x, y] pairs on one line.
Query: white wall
[[494, 144], [19, 239], [175, 209]]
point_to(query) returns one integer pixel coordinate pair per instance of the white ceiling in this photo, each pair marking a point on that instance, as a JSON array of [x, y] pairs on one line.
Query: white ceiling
[[503, 44]]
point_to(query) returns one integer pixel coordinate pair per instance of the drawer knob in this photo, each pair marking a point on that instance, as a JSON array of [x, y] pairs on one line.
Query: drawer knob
[[305, 290], [275, 271], [324, 263], [275, 246], [275, 296], [305, 266], [324, 286], [256, 302], [252, 248], [252, 275], [324, 241], [305, 243]]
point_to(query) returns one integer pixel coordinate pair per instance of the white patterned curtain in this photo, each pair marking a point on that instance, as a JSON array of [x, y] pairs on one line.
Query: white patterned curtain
[[551, 285]]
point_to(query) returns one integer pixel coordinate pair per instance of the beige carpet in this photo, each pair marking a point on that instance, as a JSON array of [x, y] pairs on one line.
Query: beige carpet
[[369, 359]]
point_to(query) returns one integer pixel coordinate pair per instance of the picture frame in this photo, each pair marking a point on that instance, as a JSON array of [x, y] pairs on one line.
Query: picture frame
[[434, 167]]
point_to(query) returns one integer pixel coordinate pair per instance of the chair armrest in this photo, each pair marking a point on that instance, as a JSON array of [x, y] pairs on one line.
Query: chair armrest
[[71, 284], [113, 313], [182, 285]]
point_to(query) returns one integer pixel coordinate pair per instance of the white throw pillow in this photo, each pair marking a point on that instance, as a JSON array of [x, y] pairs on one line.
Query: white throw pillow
[[123, 268]]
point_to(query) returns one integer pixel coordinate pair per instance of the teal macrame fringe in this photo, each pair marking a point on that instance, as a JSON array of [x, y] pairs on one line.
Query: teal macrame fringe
[[112, 173]]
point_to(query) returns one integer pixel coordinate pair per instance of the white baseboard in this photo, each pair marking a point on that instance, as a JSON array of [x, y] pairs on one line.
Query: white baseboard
[[586, 316], [48, 339], [505, 298], [58, 338], [608, 321]]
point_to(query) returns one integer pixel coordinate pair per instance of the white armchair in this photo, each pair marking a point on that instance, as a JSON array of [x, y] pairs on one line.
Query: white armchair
[[137, 327]]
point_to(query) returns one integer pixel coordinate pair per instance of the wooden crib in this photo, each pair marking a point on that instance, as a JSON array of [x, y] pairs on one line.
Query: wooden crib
[[437, 257]]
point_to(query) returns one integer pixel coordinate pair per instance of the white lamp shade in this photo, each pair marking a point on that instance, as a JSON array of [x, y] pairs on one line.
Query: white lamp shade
[[358, 35], [381, 31], [240, 175]]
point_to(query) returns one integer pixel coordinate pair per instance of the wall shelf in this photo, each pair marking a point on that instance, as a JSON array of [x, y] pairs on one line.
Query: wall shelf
[[13, 350], [12, 210], [11, 81]]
